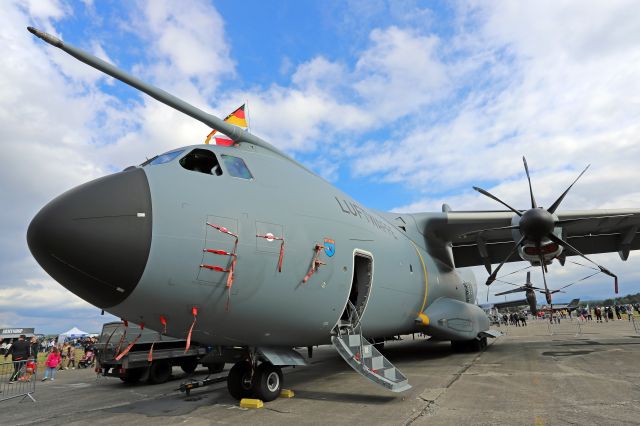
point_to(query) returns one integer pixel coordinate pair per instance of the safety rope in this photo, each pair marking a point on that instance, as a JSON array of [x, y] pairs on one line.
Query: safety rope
[[270, 237], [128, 348], [315, 263]]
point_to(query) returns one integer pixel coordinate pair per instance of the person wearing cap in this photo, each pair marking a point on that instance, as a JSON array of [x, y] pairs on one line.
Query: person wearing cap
[[20, 352]]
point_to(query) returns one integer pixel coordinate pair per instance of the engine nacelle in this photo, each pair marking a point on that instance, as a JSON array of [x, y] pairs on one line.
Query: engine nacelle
[[451, 319], [548, 249]]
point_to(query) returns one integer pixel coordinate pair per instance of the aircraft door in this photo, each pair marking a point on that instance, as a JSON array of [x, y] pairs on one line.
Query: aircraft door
[[361, 282]]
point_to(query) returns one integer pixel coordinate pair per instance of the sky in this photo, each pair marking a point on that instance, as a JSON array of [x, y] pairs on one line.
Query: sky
[[403, 104]]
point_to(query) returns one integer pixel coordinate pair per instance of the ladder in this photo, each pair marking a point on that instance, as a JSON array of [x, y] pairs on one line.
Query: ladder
[[363, 357]]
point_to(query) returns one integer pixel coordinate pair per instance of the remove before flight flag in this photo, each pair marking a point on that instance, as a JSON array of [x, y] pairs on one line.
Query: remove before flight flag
[[236, 118]]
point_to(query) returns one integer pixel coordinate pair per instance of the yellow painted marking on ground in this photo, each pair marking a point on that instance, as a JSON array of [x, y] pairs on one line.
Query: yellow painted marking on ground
[[287, 393], [538, 421], [426, 281], [251, 403]]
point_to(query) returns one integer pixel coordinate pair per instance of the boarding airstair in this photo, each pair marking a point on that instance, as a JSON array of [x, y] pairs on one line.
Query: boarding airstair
[[363, 357]]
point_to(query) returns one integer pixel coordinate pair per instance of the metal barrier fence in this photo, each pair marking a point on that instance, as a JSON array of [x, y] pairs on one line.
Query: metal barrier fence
[[565, 327], [636, 326], [18, 379]]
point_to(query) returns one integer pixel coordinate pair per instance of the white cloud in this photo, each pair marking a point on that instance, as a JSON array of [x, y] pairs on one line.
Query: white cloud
[[59, 128]]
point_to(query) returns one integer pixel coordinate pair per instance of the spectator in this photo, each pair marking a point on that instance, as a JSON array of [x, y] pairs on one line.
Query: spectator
[[63, 355], [598, 313], [629, 312], [52, 362], [71, 356], [523, 319], [35, 346], [617, 309], [20, 352]]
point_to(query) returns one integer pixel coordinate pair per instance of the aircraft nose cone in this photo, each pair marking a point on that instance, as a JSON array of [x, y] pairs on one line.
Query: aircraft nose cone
[[95, 238]]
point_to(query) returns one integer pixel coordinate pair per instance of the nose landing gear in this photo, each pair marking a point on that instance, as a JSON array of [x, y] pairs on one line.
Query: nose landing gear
[[263, 382]]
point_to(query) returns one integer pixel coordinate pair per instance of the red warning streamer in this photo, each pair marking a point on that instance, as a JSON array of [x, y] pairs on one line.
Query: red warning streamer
[[128, 348], [281, 239], [194, 312], [315, 263], [222, 229], [232, 254], [163, 321]]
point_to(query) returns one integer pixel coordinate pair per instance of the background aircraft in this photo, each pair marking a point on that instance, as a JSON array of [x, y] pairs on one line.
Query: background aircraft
[[243, 248]]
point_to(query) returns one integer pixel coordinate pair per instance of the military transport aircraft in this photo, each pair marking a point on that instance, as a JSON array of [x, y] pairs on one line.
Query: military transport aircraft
[[243, 248], [530, 291]]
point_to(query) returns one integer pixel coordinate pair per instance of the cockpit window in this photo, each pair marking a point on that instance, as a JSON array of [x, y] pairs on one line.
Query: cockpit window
[[203, 161], [236, 167], [163, 158]]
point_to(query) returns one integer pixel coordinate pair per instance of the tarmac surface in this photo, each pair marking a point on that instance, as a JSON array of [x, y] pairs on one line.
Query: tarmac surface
[[526, 377]]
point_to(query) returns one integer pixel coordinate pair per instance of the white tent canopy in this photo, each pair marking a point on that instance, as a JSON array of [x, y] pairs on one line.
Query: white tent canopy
[[74, 333]]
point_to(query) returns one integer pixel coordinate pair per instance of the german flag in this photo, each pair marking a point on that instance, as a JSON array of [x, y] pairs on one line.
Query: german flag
[[237, 118]]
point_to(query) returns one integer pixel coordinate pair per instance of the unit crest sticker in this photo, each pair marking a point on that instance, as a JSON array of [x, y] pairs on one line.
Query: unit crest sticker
[[329, 247]]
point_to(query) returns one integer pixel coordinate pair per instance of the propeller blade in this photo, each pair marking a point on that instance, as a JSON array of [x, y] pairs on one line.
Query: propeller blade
[[577, 281], [544, 273], [604, 270], [493, 197], [479, 231], [584, 266], [515, 290], [526, 169], [494, 274], [519, 270], [555, 205]]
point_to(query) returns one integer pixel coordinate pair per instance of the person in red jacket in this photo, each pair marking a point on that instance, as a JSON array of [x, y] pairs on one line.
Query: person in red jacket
[[53, 359]]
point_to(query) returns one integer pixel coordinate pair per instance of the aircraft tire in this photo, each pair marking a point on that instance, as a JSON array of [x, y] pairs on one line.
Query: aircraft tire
[[483, 343], [215, 368], [189, 365], [159, 372], [458, 345], [474, 345], [268, 382], [239, 381]]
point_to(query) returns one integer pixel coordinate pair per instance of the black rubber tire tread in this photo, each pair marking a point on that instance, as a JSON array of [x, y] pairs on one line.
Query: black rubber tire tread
[[159, 372], [215, 368], [260, 382], [235, 384], [189, 365], [132, 376]]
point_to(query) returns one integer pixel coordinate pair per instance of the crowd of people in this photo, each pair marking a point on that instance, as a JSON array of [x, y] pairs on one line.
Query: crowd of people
[[59, 355], [583, 313], [608, 313]]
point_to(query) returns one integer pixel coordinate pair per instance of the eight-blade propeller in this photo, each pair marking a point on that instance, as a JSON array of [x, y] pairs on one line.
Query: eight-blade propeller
[[537, 225]]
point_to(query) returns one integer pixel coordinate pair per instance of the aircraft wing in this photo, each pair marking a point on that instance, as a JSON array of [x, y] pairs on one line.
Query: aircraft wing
[[592, 235], [511, 304]]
